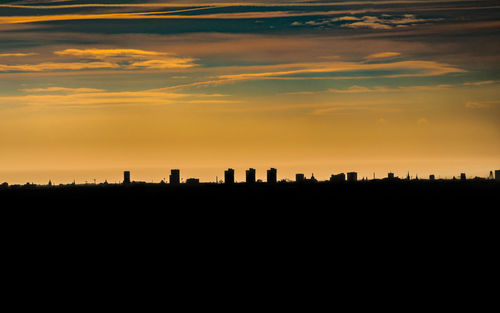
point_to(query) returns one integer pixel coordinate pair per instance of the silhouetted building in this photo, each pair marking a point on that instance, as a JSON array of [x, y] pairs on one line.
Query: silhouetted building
[[192, 181], [175, 177], [126, 177], [272, 176], [491, 175], [432, 177], [337, 178], [300, 178], [250, 176], [313, 179], [229, 176], [497, 175], [462, 176], [390, 176], [352, 176]]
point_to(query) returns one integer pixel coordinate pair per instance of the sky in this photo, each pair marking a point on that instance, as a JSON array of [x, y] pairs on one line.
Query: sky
[[89, 89]]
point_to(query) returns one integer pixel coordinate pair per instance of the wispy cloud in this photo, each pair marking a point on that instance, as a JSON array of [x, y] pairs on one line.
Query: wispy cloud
[[411, 69], [480, 83], [167, 15], [382, 55], [62, 97], [481, 104], [387, 22], [361, 89], [61, 89], [16, 54], [124, 59], [55, 66], [106, 53]]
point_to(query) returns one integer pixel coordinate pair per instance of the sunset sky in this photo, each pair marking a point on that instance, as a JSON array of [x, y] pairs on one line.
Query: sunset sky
[[91, 88]]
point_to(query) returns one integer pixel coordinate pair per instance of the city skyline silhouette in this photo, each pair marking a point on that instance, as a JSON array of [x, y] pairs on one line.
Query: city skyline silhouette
[[272, 177]]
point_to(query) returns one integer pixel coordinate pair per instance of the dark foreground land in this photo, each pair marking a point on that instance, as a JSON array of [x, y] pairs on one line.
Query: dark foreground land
[[418, 237], [377, 194]]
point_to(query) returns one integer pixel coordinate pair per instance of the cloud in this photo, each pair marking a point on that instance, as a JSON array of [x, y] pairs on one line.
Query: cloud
[[105, 53], [372, 25], [345, 18], [422, 121], [360, 89], [481, 104], [124, 59], [382, 55], [480, 83], [62, 89], [62, 97], [169, 15], [54, 66], [320, 71], [387, 22], [355, 89], [132, 58], [253, 11], [163, 64], [327, 21], [317, 70], [16, 54]]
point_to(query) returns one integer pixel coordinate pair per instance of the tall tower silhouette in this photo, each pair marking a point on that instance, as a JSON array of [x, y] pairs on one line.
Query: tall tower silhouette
[[126, 177], [175, 177], [250, 176], [229, 176], [272, 176]]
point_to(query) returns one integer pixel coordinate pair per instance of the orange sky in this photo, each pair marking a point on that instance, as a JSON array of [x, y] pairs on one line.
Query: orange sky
[[307, 91]]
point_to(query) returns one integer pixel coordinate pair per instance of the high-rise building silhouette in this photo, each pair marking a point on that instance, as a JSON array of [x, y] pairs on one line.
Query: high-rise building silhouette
[[432, 177], [352, 176], [462, 176], [250, 176], [497, 175], [339, 178], [126, 177], [272, 176], [300, 178], [175, 177], [229, 176], [390, 176]]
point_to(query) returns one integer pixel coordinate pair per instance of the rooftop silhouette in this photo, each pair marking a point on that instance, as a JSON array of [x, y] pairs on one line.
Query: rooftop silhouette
[[332, 193], [272, 178]]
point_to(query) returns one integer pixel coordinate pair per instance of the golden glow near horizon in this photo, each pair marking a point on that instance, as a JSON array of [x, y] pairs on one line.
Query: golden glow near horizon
[[87, 92]]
